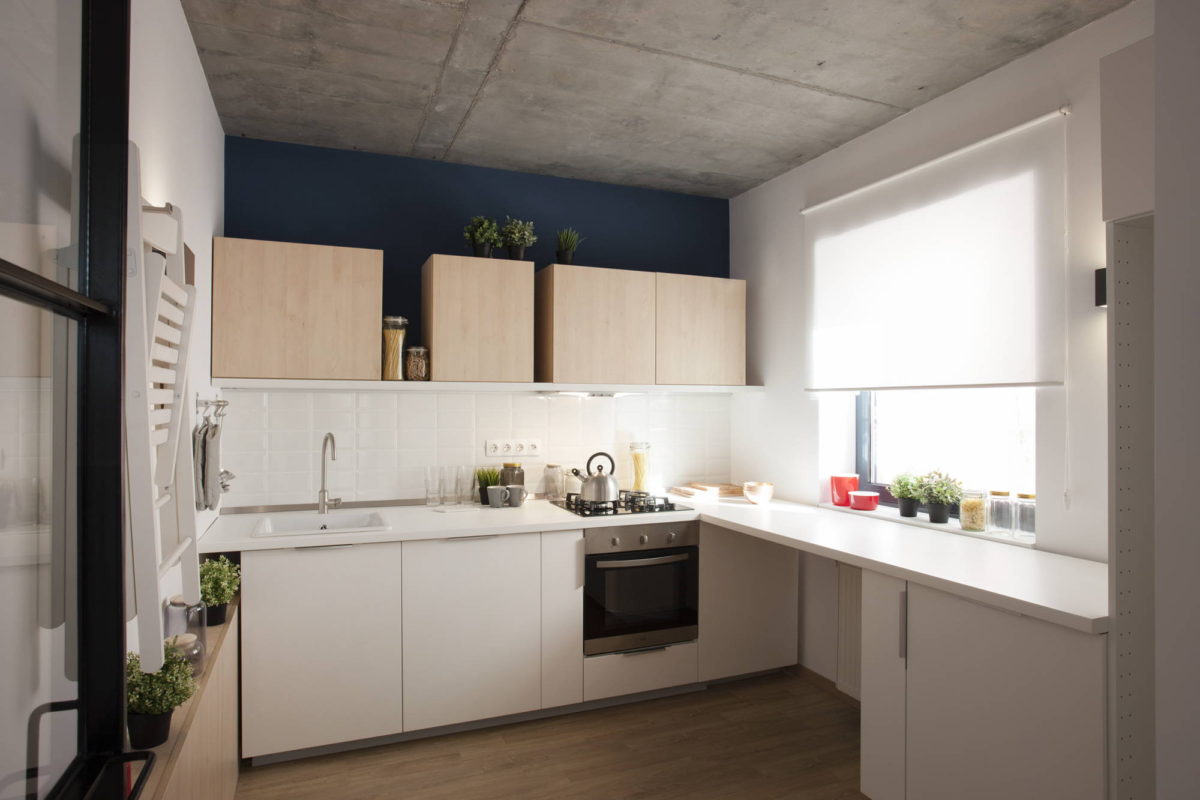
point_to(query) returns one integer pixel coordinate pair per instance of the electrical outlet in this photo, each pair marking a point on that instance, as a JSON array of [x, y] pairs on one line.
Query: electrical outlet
[[512, 448]]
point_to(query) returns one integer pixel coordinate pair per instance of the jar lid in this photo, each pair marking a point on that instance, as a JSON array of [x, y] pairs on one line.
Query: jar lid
[[639, 445], [417, 349], [395, 321], [554, 466], [182, 640], [995, 493], [177, 600], [512, 464], [1024, 496]]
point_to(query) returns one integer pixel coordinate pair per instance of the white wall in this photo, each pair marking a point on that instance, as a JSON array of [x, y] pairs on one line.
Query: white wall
[[1176, 387], [776, 433]]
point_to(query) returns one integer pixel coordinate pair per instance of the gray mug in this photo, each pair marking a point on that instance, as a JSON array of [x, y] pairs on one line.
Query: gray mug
[[497, 496], [516, 495]]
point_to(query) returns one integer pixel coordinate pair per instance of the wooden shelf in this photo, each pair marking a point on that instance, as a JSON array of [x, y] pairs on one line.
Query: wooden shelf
[[281, 385]]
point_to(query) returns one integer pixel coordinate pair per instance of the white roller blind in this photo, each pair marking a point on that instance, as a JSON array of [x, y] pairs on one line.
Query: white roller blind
[[948, 275]]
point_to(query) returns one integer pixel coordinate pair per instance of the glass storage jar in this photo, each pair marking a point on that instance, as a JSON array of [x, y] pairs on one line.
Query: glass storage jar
[[1025, 513], [553, 482], [1000, 513], [512, 474], [394, 330], [190, 647], [972, 510], [639, 452], [416, 364]]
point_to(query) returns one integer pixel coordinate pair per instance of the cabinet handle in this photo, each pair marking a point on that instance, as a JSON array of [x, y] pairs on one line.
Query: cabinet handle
[[904, 625], [470, 538], [642, 650], [642, 562], [322, 547]]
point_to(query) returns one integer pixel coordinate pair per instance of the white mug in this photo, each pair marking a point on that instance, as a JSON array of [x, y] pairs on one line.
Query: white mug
[[497, 496], [516, 495]]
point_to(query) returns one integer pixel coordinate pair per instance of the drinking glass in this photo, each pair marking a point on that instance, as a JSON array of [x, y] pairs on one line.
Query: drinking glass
[[433, 496], [466, 485], [450, 486]]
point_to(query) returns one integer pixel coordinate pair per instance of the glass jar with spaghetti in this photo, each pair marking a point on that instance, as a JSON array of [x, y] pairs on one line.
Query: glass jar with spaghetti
[[639, 452]]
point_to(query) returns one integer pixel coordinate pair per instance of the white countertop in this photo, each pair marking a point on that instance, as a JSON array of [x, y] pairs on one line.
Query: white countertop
[[1072, 592]]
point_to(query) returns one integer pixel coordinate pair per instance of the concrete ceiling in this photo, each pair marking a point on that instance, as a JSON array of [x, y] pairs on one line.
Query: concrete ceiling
[[708, 97]]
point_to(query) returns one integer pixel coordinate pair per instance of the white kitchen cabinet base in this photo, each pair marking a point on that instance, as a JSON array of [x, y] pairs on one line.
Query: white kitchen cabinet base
[[615, 674], [882, 687], [562, 618]]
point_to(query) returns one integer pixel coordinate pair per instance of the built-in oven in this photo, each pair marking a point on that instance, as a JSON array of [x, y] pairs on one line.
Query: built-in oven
[[641, 586]]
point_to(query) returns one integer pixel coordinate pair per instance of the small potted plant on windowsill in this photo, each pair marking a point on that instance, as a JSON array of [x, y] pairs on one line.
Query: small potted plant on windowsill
[[483, 235], [517, 235], [906, 488], [485, 477], [154, 696], [568, 240], [939, 492], [219, 582]]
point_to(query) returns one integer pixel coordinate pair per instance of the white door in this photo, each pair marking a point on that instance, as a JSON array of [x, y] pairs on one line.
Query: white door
[[562, 618], [883, 687], [321, 646], [1001, 706], [472, 628]]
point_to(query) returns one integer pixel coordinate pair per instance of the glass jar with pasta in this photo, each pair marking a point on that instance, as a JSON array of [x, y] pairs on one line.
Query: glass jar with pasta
[[639, 452], [972, 511]]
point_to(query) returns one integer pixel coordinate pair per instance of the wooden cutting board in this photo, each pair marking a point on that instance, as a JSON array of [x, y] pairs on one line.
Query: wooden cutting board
[[696, 489]]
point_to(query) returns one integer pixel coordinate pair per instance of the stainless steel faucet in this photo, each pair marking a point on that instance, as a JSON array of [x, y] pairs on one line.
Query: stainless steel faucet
[[324, 501]]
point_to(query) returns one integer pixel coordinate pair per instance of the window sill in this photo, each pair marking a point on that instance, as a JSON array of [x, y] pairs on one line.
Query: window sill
[[893, 515]]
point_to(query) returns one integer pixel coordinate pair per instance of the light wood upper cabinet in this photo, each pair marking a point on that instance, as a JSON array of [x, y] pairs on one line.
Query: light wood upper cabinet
[[283, 310], [595, 325], [701, 330], [477, 315]]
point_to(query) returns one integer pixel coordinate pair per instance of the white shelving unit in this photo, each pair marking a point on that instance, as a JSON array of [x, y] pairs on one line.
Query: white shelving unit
[[276, 385]]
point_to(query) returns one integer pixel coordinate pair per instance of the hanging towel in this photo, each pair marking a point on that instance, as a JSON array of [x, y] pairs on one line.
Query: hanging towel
[[212, 465], [199, 434]]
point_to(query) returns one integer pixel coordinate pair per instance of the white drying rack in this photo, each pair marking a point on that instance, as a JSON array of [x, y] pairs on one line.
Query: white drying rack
[[159, 484]]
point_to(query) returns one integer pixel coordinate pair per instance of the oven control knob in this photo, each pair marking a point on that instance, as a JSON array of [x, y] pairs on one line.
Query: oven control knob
[[672, 536], [616, 541], [643, 539]]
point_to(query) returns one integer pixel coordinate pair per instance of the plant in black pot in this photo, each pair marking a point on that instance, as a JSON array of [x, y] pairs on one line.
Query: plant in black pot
[[939, 492], [568, 240], [153, 696], [219, 581], [483, 235], [485, 477], [517, 235], [906, 488]]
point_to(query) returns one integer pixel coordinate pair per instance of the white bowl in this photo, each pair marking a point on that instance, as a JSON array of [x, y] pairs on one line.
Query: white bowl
[[758, 492]]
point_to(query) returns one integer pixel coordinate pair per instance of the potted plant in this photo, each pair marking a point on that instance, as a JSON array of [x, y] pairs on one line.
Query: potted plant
[[153, 696], [485, 477], [219, 581], [568, 240], [517, 235], [483, 235], [906, 488], [939, 491]]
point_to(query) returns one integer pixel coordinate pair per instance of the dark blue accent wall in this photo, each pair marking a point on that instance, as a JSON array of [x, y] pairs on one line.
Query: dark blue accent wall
[[410, 208]]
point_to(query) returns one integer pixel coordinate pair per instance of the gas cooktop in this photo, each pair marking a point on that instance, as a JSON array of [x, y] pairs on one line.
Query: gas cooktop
[[628, 502]]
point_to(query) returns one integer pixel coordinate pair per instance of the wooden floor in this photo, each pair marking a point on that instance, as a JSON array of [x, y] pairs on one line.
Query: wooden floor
[[776, 736]]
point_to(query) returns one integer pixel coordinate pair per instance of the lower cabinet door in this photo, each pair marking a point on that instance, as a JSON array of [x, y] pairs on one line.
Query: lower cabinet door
[[882, 687], [472, 629], [321, 646], [615, 674], [1000, 706]]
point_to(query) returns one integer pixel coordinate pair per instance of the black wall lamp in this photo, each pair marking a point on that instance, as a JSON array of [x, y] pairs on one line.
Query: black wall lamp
[[1101, 287]]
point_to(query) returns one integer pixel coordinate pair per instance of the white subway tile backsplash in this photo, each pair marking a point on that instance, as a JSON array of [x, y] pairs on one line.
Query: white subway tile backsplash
[[385, 441]]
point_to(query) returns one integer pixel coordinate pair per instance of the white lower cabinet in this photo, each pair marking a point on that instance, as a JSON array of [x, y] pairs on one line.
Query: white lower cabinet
[[615, 674], [562, 618], [749, 604], [472, 628], [965, 700], [321, 646]]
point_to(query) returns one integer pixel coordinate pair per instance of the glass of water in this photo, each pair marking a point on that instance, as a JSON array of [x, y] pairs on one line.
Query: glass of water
[[433, 493], [450, 486]]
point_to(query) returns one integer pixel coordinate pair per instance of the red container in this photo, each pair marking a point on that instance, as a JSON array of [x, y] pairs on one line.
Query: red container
[[864, 501], [840, 487]]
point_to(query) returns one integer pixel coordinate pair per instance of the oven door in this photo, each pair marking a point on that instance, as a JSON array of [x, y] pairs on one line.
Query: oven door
[[641, 599]]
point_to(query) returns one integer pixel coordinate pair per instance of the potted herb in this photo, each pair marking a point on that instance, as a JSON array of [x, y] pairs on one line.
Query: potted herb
[[483, 235], [485, 477], [517, 235], [568, 240], [219, 581], [153, 696], [939, 491], [906, 488]]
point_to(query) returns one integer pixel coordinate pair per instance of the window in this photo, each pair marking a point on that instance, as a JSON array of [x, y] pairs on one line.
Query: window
[[984, 437]]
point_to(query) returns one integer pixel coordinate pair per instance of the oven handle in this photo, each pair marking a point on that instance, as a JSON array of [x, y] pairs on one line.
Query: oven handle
[[643, 562]]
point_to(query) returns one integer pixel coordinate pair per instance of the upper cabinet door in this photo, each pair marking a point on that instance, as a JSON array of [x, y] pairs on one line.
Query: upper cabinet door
[[595, 325], [701, 330], [477, 315], [283, 310]]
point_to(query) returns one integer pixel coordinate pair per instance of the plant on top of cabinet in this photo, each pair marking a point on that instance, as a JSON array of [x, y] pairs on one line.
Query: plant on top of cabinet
[[568, 241], [906, 488], [485, 477], [483, 235], [153, 696], [940, 491], [219, 581], [517, 235]]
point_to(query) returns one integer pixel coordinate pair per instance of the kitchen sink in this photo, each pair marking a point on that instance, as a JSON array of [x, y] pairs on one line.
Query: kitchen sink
[[300, 524]]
